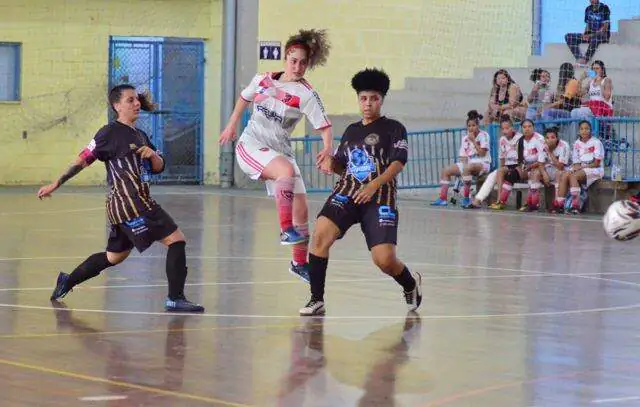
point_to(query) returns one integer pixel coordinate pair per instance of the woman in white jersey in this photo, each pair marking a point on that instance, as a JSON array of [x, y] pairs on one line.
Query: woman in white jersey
[[587, 167], [508, 155], [558, 155], [280, 100], [530, 157], [474, 160], [600, 102]]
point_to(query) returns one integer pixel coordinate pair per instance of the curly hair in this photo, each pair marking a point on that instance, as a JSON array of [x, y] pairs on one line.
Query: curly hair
[[315, 42], [371, 79]]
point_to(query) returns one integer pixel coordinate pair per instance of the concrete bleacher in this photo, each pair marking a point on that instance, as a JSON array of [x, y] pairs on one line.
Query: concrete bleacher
[[426, 103]]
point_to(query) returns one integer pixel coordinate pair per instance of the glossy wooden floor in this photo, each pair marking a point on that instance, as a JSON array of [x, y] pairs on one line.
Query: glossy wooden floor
[[518, 310]]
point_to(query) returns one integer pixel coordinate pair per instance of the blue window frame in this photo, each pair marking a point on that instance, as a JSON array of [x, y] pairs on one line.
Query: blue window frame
[[9, 71]]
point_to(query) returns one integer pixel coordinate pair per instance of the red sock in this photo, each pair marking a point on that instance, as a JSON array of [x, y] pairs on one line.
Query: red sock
[[300, 250], [505, 192], [534, 198], [284, 201], [467, 185], [444, 190], [575, 197]]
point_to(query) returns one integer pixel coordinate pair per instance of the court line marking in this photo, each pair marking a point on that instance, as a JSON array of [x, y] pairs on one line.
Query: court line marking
[[338, 317], [352, 280], [148, 389], [407, 207], [404, 207], [615, 400], [103, 398], [145, 331], [54, 211]]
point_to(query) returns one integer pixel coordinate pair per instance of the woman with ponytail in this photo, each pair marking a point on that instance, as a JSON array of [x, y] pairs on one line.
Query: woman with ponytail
[[136, 219], [280, 100], [475, 159]]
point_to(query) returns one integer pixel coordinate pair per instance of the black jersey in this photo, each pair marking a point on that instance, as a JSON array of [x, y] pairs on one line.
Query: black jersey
[[127, 174], [366, 151]]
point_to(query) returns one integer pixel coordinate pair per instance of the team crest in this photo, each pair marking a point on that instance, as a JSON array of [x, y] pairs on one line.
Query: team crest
[[372, 139], [360, 164], [132, 146]]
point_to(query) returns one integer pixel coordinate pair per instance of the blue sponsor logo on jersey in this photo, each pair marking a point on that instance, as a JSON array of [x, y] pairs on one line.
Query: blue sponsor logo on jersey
[[386, 216], [360, 164]]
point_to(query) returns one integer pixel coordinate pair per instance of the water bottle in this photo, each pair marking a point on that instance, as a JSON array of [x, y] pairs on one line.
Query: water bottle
[[616, 174]]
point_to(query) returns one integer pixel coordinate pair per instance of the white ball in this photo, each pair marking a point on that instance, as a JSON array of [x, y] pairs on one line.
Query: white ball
[[622, 220]]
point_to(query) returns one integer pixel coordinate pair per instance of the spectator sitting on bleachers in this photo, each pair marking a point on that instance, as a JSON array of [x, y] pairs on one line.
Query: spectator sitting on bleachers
[[474, 160], [566, 97], [600, 93], [530, 157], [508, 155], [587, 167], [541, 94], [597, 31], [557, 156], [505, 98]]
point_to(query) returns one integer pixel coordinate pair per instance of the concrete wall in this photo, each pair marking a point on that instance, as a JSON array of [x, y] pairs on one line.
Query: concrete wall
[[408, 38], [64, 80]]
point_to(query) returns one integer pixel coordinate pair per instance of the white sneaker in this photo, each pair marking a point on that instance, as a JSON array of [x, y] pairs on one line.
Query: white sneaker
[[313, 307], [414, 297]]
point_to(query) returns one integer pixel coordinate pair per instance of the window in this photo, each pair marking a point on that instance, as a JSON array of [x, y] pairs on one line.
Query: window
[[9, 71]]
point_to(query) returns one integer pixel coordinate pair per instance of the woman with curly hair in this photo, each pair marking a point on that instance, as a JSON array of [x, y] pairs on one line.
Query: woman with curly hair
[[280, 100]]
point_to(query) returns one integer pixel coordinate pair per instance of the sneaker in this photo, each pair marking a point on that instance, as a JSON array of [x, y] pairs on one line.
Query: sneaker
[[498, 206], [182, 305], [472, 205], [465, 202], [414, 297], [300, 270], [313, 307], [439, 202], [61, 287], [291, 236]]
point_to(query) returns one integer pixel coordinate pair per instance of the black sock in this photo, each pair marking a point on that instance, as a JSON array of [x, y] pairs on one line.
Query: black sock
[[176, 270], [89, 268], [406, 280], [317, 276]]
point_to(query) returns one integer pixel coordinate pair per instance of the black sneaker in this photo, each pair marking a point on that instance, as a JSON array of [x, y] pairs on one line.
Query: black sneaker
[[61, 287], [414, 297], [313, 307], [182, 305]]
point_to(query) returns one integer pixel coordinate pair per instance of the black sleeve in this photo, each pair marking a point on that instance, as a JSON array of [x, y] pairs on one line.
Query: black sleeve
[[101, 147], [586, 14], [606, 14], [399, 150], [148, 142]]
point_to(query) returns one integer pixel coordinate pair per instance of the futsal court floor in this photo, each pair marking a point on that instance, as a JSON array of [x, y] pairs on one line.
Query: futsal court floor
[[518, 310]]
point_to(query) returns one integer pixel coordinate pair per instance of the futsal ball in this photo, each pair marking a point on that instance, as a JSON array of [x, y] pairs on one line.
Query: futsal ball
[[622, 220]]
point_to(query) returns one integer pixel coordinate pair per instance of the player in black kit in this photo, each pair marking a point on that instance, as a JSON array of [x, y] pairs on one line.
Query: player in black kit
[[372, 152], [136, 219]]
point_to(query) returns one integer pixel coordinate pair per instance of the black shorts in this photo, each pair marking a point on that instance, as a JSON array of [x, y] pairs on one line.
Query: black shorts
[[379, 223], [141, 232]]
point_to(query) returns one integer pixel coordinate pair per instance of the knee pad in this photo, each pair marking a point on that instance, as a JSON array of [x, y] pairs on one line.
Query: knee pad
[[512, 176]]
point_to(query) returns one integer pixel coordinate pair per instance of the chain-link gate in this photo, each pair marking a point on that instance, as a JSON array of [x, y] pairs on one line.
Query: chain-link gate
[[172, 70]]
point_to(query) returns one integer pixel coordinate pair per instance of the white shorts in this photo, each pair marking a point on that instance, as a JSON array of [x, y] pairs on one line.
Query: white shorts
[[485, 167], [552, 171], [253, 157], [593, 175]]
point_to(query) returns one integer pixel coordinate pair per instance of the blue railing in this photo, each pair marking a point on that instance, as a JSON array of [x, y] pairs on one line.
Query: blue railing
[[431, 150]]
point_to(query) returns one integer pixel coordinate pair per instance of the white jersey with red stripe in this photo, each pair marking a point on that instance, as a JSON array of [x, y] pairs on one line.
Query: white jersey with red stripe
[[533, 149], [509, 149], [587, 152], [278, 107], [562, 152]]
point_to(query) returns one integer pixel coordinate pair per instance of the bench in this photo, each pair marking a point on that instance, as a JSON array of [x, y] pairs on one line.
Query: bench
[[601, 194]]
